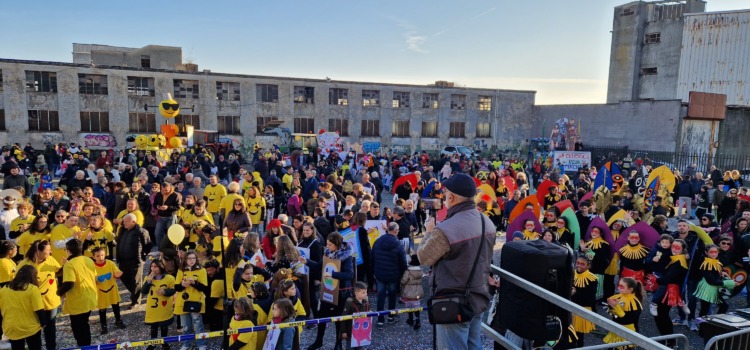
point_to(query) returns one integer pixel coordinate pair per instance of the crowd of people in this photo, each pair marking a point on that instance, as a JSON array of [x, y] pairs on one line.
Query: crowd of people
[[256, 235]]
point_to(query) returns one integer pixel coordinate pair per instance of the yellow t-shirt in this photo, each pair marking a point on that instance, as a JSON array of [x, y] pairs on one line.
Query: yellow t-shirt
[[82, 297], [160, 308], [287, 181], [188, 217], [227, 204], [255, 207], [106, 284], [46, 280], [250, 339], [14, 225], [7, 270], [19, 309], [217, 248], [215, 194], [217, 292], [101, 238], [193, 293], [60, 235], [25, 239], [138, 217]]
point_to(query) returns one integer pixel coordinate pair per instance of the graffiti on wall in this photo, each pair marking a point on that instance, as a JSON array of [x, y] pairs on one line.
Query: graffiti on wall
[[99, 140], [481, 144], [52, 138]]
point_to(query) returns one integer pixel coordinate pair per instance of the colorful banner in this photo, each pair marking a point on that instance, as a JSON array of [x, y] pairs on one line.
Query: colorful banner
[[352, 240], [572, 160]]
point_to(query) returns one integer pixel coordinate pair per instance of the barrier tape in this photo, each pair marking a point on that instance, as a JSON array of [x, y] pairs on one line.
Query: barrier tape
[[216, 334]]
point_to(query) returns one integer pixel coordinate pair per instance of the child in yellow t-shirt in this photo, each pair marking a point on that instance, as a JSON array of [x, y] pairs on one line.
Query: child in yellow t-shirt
[[8, 250], [244, 313], [158, 287], [107, 274]]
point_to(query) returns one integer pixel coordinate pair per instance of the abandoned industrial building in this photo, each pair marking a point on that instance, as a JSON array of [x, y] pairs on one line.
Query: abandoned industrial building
[[108, 93]]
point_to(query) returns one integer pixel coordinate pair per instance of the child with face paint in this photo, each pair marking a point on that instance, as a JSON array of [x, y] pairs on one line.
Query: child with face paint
[[633, 258], [597, 250], [614, 265], [584, 294], [625, 307], [528, 231], [713, 279], [669, 291]]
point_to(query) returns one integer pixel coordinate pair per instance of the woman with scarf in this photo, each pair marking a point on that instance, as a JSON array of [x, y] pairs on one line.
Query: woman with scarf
[[309, 241], [237, 221], [336, 249]]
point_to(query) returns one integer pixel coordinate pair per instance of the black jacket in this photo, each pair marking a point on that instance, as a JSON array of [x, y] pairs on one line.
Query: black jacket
[[388, 259], [132, 245], [19, 180]]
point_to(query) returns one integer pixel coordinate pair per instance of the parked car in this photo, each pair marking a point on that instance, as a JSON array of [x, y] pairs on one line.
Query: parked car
[[461, 150]]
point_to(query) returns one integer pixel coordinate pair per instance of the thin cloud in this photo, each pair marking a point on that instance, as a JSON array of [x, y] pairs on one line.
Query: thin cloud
[[412, 38], [462, 22]]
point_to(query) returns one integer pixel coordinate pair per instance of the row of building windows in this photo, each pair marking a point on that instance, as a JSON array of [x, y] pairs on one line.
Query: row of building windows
[[142, 122], [96, 84]]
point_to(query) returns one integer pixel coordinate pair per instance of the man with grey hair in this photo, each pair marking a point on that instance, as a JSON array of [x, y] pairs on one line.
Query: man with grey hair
[[132, 246], [465, 237], [311, 184]]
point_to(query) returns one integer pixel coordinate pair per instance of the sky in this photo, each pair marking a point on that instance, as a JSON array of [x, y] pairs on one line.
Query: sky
[[558, 48]]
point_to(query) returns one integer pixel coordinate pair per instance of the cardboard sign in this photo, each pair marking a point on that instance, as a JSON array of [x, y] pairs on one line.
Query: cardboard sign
[[361, 332], [331, 206], [572, 160], [271, 339], [305, 253], [352, 240], [329, 289], [375, 229]]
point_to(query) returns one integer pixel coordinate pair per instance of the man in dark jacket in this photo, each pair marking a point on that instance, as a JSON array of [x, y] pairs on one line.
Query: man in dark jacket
[[16, 179], [389, 263], [685, 196], [132, 246]]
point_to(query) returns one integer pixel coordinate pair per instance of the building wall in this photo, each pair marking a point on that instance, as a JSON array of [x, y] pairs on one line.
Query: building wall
[[511, 114], [647, 125], [630, 53], [734, 131], [716, 56]]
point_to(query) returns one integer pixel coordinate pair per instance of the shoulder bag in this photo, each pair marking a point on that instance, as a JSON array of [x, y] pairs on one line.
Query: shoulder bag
[[450, 306]]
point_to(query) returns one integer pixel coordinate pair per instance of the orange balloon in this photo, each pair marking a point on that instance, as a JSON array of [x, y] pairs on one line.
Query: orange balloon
[[169, 130]]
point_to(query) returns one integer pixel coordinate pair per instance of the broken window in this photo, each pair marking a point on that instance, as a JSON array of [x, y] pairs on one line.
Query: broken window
[[400, 128], [429, 129], [485, 103], [370, 98], [141, 86], [401, 99], [145, 61], [92, 84], [267, 93], [430, 100], [304, 125], [261, 122], [483, 130], [340, 126], [304, 94], [649, 71], [2, 119], [227, 91], [95, 121], [626, 12], [186, 89], [458, 102], [458, 129], [37, 81], [141, 122], [181, 120], [43, 120], [338, 97], [653, 38], [370, 127], [228, 124]]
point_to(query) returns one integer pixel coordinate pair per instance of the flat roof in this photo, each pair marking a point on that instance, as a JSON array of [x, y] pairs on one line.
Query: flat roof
[[232, 75]]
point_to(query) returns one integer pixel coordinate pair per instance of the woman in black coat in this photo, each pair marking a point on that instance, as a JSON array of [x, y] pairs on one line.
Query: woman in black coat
[[336, 249]]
